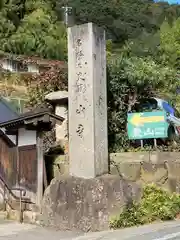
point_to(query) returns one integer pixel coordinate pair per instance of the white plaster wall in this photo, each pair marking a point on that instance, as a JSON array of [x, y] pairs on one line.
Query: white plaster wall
[[26, 137], [1, 195], [33, 68], [11, 137], [7, 65], [1, 199]]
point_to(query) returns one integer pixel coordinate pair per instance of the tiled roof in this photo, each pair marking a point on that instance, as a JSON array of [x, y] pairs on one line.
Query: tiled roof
[[39, 109], [29, 116]]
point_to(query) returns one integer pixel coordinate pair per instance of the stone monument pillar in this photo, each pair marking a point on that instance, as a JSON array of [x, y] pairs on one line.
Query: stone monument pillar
[[88, 136]]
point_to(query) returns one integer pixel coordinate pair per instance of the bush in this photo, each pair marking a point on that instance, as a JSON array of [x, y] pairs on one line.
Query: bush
[[128, 218], [129, 79], [155, 204]]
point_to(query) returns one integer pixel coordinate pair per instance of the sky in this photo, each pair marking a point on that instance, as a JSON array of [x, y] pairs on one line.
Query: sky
[[169, 1]]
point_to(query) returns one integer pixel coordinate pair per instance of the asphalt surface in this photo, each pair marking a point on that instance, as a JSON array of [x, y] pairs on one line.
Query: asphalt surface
[[162, 231]]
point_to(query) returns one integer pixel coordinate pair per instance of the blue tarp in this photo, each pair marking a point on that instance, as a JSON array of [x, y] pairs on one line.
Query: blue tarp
[[168, 108]]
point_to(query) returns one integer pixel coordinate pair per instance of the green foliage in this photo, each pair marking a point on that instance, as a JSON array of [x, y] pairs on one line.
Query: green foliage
[[142, 49], [38, 34], [147, 66], [31, 28], [156, 204], [126, 18], [130, 79], [170, 43], [128, 218]]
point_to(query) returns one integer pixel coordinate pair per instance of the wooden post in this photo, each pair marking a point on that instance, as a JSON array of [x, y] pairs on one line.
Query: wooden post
[[40, 167], [45, 175], [155, 143], [142, 145], [4, 197], [20, 208], [18, 176]]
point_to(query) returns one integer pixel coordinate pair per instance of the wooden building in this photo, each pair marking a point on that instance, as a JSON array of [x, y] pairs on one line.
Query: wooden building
[[22, 161], [26, 64]]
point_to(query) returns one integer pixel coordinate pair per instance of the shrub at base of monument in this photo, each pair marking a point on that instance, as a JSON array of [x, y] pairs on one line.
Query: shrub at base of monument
[[86, 204], [156, 204]]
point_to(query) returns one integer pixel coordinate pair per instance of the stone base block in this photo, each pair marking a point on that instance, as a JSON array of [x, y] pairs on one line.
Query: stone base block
[[28, 216], [3, 215], [32, 217], [86, 204]]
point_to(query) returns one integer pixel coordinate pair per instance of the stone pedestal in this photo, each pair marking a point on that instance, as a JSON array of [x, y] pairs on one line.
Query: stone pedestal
[[88, 144], [61, 130], [86, 204]]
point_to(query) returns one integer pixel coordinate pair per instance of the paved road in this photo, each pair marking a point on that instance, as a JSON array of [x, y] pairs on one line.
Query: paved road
[[163, 231], [16, 231]]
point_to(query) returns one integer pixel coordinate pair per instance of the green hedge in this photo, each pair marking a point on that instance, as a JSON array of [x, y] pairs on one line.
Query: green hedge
[[156, 204]]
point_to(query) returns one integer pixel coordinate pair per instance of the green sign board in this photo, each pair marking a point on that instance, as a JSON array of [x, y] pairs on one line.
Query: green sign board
[[147, 125]]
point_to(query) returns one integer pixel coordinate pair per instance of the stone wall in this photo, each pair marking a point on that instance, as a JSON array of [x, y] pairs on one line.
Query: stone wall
[[72, 203], [162, 168]]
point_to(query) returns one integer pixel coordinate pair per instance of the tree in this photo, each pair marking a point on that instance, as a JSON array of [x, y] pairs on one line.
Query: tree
[[38, 35], [122, 19], [34, 27], [31, 28], [130, 79], [170, 43]]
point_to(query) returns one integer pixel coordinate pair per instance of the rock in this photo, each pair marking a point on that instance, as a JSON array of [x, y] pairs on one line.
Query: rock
[[86, 204]]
